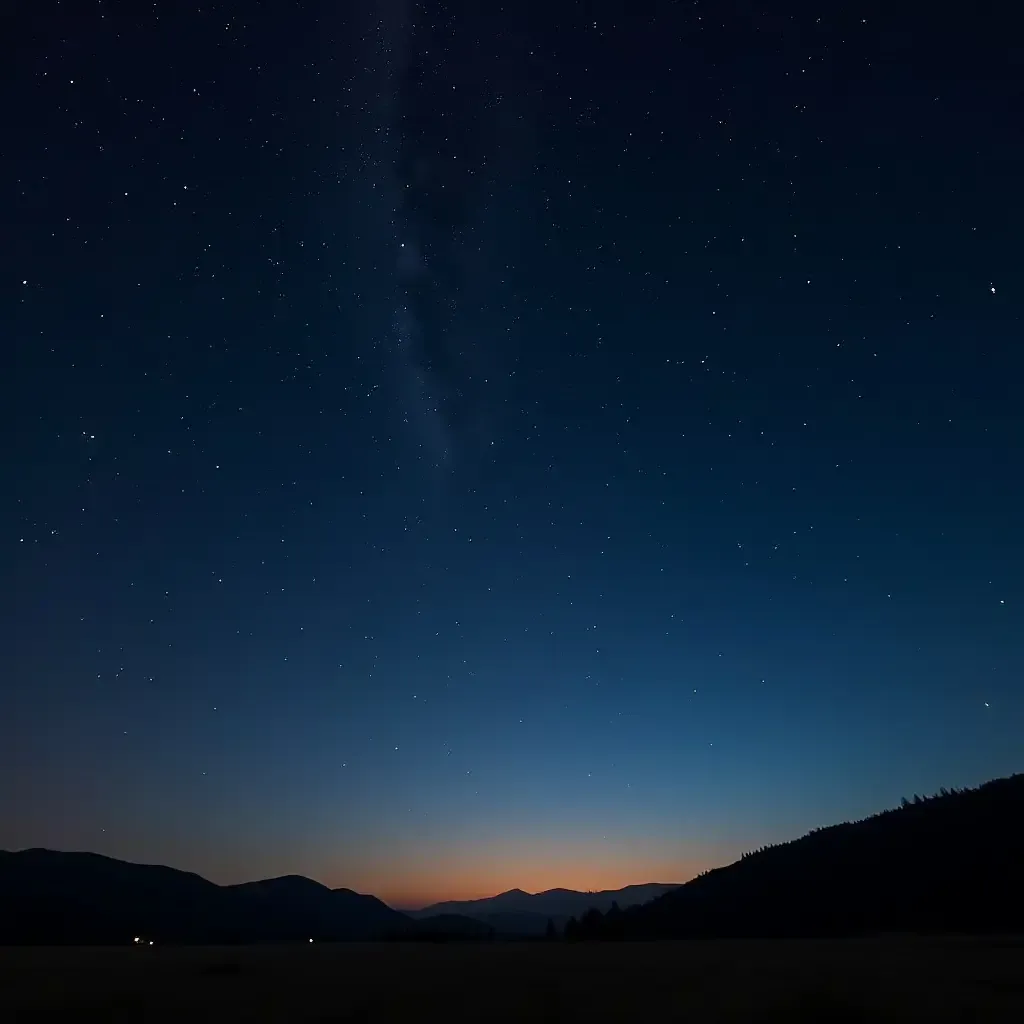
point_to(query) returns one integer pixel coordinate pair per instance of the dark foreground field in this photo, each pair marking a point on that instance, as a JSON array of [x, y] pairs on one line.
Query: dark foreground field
[[786, 981]]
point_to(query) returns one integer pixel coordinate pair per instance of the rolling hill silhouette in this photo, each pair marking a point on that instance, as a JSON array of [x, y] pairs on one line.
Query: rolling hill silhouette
[[949, 863], [59, 898]]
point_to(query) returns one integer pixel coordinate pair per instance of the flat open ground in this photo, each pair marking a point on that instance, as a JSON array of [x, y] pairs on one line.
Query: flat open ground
[[905, 980]]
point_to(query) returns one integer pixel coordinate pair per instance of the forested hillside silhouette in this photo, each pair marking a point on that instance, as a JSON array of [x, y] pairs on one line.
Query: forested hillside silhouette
[[953, 862]]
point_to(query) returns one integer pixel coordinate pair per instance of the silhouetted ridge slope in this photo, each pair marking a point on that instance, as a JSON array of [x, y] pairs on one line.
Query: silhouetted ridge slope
[[949, 863]]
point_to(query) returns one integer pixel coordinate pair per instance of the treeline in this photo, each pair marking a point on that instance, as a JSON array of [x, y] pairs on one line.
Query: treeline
[[952, 862]]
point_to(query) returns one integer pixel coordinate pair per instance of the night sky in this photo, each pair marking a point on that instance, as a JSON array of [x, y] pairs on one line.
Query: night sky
[[451, 448]]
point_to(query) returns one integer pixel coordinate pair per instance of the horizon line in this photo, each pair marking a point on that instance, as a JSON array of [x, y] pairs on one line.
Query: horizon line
[[403, 903]]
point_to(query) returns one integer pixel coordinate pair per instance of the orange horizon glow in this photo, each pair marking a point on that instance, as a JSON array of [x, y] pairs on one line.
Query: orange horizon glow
[[442, 870], [413, 886]]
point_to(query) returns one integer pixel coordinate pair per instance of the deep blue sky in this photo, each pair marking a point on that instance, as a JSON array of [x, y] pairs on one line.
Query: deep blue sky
[[452, 449]]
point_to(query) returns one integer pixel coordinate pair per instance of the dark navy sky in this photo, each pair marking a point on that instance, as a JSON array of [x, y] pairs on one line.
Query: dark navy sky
[[453, 448]]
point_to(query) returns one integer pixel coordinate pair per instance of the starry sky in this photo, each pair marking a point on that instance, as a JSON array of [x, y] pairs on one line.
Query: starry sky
[[452, 447]]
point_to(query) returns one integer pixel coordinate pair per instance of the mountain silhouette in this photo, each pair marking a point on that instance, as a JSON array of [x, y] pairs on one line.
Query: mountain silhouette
[[949, 863], [516, 912], [83, 898]]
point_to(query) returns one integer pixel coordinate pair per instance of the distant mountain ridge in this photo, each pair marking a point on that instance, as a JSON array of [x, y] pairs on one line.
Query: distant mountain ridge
[[516, 912]]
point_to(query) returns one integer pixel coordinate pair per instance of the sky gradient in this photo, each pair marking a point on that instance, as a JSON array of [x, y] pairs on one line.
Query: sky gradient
[[452, 449]]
